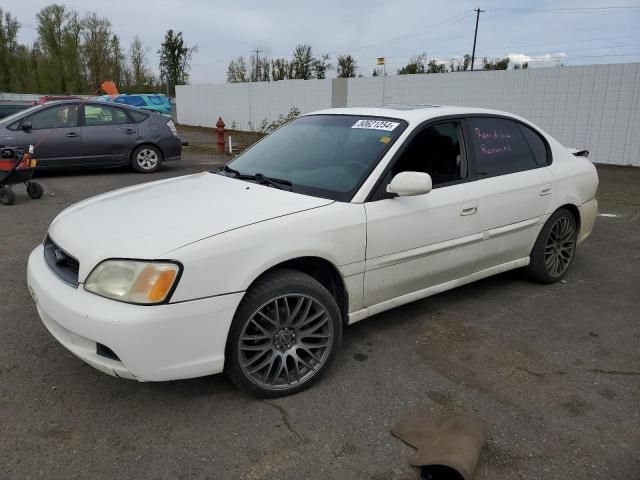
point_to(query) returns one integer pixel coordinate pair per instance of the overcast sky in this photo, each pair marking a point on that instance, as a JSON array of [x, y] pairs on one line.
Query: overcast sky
[[544, 32]]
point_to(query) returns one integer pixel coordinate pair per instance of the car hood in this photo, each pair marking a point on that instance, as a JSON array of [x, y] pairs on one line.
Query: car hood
[[148, 221]]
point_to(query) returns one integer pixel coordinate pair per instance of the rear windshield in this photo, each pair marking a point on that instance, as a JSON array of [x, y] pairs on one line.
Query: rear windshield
[[133, 100], [323, 155], [158, 100]]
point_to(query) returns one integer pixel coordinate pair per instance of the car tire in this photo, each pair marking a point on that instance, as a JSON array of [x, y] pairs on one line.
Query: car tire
[[34, 190], [146, 159], [7, 197], [555, 248], [284, 335]]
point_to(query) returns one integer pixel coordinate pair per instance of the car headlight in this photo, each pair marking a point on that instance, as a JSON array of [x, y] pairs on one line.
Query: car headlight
[[133, 281]]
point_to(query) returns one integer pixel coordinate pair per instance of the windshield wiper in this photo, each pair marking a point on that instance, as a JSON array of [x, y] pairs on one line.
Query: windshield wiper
[[259, 178], [228, 169], [271, 181]]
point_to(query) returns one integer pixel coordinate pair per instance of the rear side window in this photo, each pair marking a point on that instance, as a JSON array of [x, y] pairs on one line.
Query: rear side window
[[499, 147], [537, 145], [96, 115], [137, 117]]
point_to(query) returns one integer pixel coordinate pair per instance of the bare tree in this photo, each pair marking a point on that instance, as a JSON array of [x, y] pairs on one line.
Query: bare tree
[[237, 71], [138, 58], [51, 23], [417, 64], [321, 66], [72, 50], [96, 35], [279, 69], [347, 66]]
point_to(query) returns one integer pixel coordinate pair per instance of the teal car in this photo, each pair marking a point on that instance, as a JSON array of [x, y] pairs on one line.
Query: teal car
[[155, 102]]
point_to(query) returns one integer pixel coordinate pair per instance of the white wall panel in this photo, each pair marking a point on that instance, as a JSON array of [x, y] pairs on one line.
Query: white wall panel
[[592, 106]]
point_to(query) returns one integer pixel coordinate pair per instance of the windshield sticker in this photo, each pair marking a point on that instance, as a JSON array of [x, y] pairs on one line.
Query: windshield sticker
[[376, 125], [385, 139]]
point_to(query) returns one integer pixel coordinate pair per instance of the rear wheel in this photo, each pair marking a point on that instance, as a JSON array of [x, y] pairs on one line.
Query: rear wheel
[[7, 197], [146, 159], [284, 335], [34, 190], [555, 247]]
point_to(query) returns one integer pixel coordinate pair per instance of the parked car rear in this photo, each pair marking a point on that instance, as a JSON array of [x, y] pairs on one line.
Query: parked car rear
[[77, 133]]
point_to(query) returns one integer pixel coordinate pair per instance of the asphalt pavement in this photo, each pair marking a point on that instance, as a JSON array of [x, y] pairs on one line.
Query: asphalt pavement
[[554, 370]]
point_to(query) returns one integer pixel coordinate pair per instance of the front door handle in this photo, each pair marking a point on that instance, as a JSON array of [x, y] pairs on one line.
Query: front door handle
[[546, 189], [72, 135], [469, 209]]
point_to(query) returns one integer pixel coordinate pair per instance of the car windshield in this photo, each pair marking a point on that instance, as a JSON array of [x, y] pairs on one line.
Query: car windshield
[[322, 155]]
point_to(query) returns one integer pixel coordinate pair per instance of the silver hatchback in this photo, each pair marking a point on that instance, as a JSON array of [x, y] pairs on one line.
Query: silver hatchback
[[79, 133]]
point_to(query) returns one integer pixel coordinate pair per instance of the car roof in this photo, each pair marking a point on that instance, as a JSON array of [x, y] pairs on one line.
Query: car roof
[[411, 113], [94, 102]]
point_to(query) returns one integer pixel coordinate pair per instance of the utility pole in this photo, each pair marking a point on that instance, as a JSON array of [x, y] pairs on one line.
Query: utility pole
[[475, 36], [257, 72]]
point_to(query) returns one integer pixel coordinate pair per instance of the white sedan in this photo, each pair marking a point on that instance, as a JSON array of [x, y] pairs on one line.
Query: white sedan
[[256, 268]]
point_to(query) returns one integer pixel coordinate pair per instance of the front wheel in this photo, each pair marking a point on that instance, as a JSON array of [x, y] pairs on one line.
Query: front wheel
[[284, 335], [146, 159], [555, 247], [7, 197], [34, 190]]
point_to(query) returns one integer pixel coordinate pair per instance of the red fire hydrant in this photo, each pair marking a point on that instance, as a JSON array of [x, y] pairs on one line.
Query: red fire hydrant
[[220, 135]]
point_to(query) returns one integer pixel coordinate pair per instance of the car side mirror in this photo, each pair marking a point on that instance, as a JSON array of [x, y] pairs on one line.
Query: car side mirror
[[406, 184], [26, 125]]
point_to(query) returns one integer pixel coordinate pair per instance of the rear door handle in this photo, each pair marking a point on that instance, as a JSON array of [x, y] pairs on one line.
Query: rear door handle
[[546, 189], [130, 130], [72, 134], [469, 209]]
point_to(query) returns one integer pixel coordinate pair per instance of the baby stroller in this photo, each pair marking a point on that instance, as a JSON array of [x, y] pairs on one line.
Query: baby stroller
[[17, 167]]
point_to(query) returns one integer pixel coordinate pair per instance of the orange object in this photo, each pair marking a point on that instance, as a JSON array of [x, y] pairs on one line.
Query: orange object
[[110, 88], [220, 135]]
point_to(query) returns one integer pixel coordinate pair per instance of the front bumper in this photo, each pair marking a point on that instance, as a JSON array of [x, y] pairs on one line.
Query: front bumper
[[153, 343]]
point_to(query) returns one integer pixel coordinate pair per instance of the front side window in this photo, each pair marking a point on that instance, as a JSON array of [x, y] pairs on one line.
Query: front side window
[[62, 116], [499, 147], [434, 150], [323, 155], [95, 115]]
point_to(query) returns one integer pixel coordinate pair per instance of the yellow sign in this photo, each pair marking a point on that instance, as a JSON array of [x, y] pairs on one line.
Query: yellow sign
[[380, 60], [385, 139]]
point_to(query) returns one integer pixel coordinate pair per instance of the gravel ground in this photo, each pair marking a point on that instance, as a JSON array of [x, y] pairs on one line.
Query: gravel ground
[[554, 370]]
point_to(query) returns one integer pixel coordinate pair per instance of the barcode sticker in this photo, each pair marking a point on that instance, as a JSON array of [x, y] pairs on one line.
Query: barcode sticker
[[376, 125]]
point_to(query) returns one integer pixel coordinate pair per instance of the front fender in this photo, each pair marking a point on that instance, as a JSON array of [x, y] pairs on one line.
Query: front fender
[[231, 261]]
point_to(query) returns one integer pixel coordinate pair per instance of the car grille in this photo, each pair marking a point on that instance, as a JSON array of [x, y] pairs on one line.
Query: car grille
[[61, 263]]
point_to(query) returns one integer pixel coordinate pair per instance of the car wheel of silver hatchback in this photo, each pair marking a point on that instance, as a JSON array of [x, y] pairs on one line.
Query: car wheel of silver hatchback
[[146, 159]]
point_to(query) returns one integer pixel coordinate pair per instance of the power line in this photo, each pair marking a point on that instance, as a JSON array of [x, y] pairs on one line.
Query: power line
[[564, 43], [565, 10], [450, 20]]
